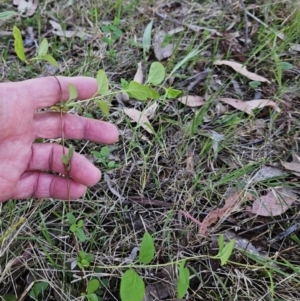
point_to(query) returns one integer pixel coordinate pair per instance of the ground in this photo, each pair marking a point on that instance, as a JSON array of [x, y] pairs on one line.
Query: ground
[[199, 164]]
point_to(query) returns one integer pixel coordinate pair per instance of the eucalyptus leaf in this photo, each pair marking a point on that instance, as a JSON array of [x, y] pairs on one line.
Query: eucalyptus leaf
[[132, 286]]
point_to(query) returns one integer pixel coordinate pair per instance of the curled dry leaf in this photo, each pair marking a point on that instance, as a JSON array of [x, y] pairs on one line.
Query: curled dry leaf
[[274, 203], [292, 166], [232, 203], [192, 101], [242, 70], [150, 112], [26, 8], [159, 51], [138, 117], [57, 29], [249, 106], [139, 74]]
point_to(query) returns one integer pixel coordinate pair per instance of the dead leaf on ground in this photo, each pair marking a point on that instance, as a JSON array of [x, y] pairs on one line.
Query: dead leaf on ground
[[160, 51], [292, 166], [157, 291], [242, 70], [139, 74], [57, 29], [274, 203], [26, 7], [249, 106], [267, 172], [150, 112], [192, 101], [138, 117]]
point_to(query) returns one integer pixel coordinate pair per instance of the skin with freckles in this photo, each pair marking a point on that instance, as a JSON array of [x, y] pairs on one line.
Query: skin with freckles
[[26, 168]]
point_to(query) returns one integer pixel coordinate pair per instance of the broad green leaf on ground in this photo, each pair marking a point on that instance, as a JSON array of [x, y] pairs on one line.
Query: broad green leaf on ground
[[102, 81], [72, 92], [50, 59], [239, 68], [71, 218], [249, 106], [226, 252], [141, 92], [43, 47], [274, 203], [19, 48], [192, 101], [132, 286], [172, 93], [156, 74], [139, 74], [147, 249], [138, 117], [92, 286], [38, 288], [104, 107], [183, 280]]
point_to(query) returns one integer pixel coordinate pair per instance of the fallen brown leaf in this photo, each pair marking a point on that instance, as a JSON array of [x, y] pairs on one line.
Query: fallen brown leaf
[[249, 106], [242, 70], [292, 166], [26, 8], [57, 29], [150, 112], [274, 203], [138, 117], [192, 101], [159, 51]]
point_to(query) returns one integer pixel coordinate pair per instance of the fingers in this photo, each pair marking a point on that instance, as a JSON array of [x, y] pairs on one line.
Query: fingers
[[48, 125], [42, 185], [46, 91], [48, 157]]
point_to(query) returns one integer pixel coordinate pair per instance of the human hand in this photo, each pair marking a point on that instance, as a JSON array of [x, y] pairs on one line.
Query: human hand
[[26, 168]]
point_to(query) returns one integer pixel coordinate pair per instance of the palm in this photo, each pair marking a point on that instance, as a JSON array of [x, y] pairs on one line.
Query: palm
[[24, 165]]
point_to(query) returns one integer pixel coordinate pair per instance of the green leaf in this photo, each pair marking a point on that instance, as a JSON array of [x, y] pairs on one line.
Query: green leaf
[[111, 164], [226, 252], [89, 257], [157, 73], [19, 48], [124, 83], [105, 152], [7, 14], [80, 234], [92, 286], [102, 81], [132, 286], [147, 249], [147, 38], [72, 92], [9, 297], [80, 223], [73, 228], [286, 66], [183, 280], [92, 297], [71, 152], [221, 242], [43, 47], [65, 159], [172, 93], [254, 84], [141, 92], [37, 289], [50, 59], [71, 218], [104, 107]]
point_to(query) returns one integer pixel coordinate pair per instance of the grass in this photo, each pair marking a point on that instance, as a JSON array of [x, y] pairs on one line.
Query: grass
[[177, 167]]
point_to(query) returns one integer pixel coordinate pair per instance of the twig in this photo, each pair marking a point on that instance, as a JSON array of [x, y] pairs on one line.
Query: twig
[[246, 21]]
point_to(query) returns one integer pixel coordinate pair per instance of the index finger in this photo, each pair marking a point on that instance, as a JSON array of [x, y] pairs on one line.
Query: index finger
[[46, 91]]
